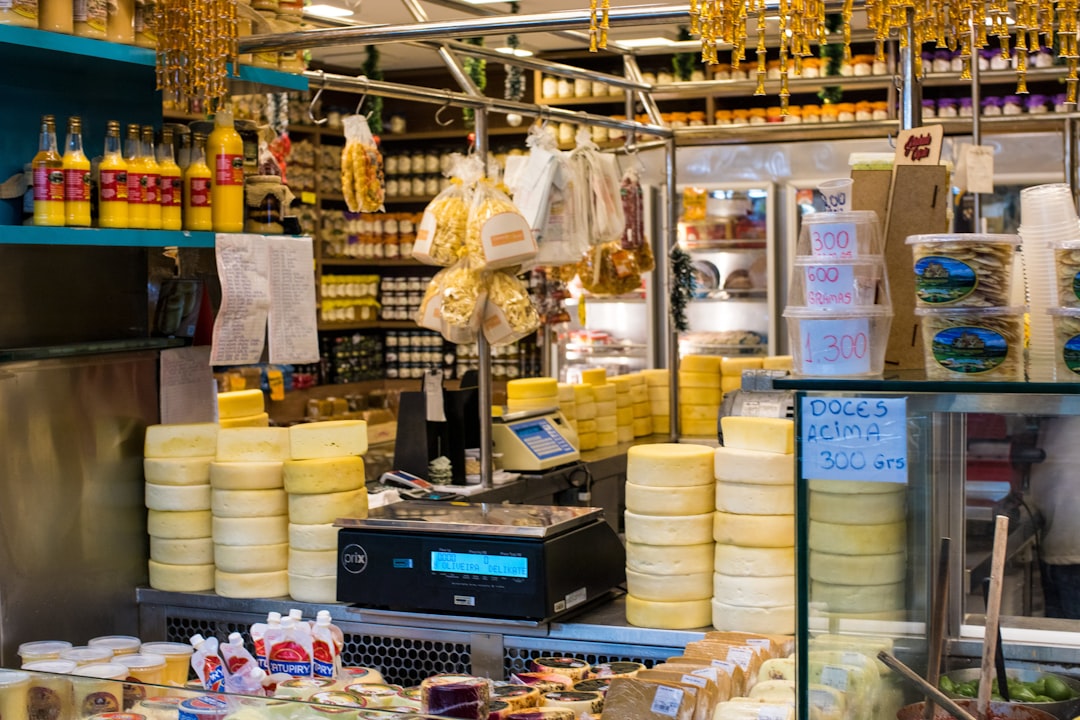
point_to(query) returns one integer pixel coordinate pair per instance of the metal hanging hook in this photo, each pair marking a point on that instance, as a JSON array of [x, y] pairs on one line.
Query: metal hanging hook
[[314, 100], [442, 108], [363, 95]]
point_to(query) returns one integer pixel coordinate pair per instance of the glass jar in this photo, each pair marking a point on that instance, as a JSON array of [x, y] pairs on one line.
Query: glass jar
[[964, 109], [880, 67], [431, 162], [90, 18], [405, 164], [774, 114], [722, 72], [845, 112], [794, 116], [665, 77], [740, 116], [56, 16], [264, 59], [566, 133], [1036, 104], [942, 62], [565, 88], [697, 75], [678, 120], [829, 113], [419, 185], [599, 89], [862, 65], [956, 64], [264, 203], [811, 67], [811, 114], [391, 164], [599, 134], [929, 108], [391, 187], [431, 185], [549, 86], [991, 106], [863, 111], [696, 119], [947, 108], [772, 69], [582, 88], [757, 116], [24, 13], [1011, 105], [1044, 58], [398, 124], [291, 61], [999, 63], [880, 110], [1060, 104]]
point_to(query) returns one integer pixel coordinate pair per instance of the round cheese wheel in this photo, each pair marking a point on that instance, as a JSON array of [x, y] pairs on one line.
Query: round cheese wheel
[[313, 563], [855, 487], [251, 531], [177, 471], [587, 441], [565, 392], [622, 383], [675, 500], [594, 376], [642, 426], [324, 475], [660, 407], [754, 561], [670, 465], [669, 588], [698, 380], [883, 615], [656, 377], [625, 415], [303, 588], [180, 440], [768, 621], [730, 383], [698, 428], [669, 560], [586, 411], [604, 393], [577, 701], [606, 408], [532, 388], [886, 539], [240, 403], [181, 578], [736, 365], [261, 420], [658, 394], [701, 363], [872, 509], [624, 433], [753, 467], [573, 668], [683, 615], [246, 475], [623, 401], [587, 426], [745, 499], [775, 531], [248, 503], [327, 439], [606, 423], [607, 439], [745, 591], [180, 498], [527, 405], [641, 410], [584, 393], [857, 598], [178, 525], [858, 569], [518, 697], [251, 558], [182, 551], [661, 423], [327, 507], [253, 444], [668, 529], [251, 585], [323, 536], [639, 394], [569, 410], [778, 362]]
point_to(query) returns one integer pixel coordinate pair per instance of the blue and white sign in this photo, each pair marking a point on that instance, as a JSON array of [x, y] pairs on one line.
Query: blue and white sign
[[848, 438]]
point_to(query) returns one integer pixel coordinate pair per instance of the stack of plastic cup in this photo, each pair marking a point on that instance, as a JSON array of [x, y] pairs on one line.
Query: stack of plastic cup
[[839, 311], [1049, 226]]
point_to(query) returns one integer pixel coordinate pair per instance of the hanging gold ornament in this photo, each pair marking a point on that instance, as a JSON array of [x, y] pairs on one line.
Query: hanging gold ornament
[[197, 42]]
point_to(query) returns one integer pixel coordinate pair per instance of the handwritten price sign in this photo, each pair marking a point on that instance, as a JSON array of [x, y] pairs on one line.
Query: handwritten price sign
[[830, 286], [836, 240], [835, 347], [846, 438]]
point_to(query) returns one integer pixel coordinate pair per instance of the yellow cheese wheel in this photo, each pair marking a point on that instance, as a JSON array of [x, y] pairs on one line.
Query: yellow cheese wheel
[[659, 394], [178, 525], [622, 383], [701, 363], [569, 412], [656, 378], [585, 427], [744, 591], [327, 439], [246, 475], [855, 487], [661, 423], [684, 615], [885, 539], [639, 394], [768, 621], [605, 393], [607, 439], [606, 424], [251, 585], [858, 569], [701, 396], [669, 588], [748, 499], [698, 380], [624, 416], [594, 376], [181, 440], [640, 410], [586, 411], [324, 475], [643, 426], [670, 465], [668, 529], [532, 388], [313, 563], [177, 497], [754, 530], [622, 400], [668, 559], [584, 393], [730, 383], [754, 466], [698, 413], [566, 393], [625, 433], [251, 531], [736, 365], [606, 408], [303, 588], [251, 558], [698, 428], [845, 509], [181, 578], [313, 537], [260, 420], [758, 433], [778, 362], [182, 551], [587, 441], [240, 403], [546, 403], [637, 380], [177, 471], [253, 444], [857, 598], [248, 503], [327, 507], [754, 561]]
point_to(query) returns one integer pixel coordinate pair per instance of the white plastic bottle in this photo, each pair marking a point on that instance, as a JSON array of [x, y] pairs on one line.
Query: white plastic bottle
[[207, 663], [325, 650], [288, 650], [259, 631]]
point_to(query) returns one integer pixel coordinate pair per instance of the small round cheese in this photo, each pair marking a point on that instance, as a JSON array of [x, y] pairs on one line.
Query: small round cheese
[[623, 401], [858, 569], [670, 464], [606, 423], [246, 475], [701, 363], [587, 426], [313, 563], [181, 578], [669, 588], [669, 560], [871, 509], [661, 423], [178, 525], [886, 539], [857, 598], [324, 475], [177, 471], [606, 408], [605, 393], [643, 426], [239, 403], [745, 499], [578, 702], [768, 621], [181, 440], [182, 551], [327, 439], [181, 498], [327, 507], [251, 585], [584, 394], [250, 421], [566, 393], [303, 588], [323, 536], [253, 444], [586, 411], [660, 394], [594, 376], [667, 529], [689, 381], [775, 531], [675, 500], [624, 433], [607, 439], [684, 615], [587, 441], [251, 531], [764, 434], [532, 388], [754, 561], [248, 503], [625, 415], [754, 467], [754, 591], [251, 558], [656, 378], [518, 697], [639, 394], [641, 410]]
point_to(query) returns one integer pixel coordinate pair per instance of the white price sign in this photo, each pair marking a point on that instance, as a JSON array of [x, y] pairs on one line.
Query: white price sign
[[845, 438], [830, 286], [833, 240], [835, 347]]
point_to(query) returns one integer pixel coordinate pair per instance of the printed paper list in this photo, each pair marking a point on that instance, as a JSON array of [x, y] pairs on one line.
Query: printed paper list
[[240, 327], [293, 326]]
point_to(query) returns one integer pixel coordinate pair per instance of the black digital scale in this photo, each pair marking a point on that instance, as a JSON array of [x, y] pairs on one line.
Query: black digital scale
[[524, 562]]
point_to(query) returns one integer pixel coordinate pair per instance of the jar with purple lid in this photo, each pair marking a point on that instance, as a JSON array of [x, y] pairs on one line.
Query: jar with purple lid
[[1042, 58], [964, 109], [928, 62], [999, 63], [946, 108], [942, 61], [991, 106], [1036, 104], [929, 109], [1059, 103], [957, 63], [1011, 105], [984, 58]]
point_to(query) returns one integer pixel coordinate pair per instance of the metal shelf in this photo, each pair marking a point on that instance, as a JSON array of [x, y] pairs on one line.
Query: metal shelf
[[370, 325], [103, 237]]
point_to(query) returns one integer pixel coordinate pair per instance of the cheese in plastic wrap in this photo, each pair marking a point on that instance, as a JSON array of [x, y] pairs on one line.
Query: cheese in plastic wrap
[[609, 270], [509, 314], [632, 698], [496, 235]]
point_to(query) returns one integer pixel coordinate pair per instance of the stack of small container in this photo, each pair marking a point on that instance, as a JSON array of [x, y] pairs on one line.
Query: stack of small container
[[838, 310]]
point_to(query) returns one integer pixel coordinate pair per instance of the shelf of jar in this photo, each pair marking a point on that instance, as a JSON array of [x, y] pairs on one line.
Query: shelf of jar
[[452, 134], [734, 245], [407, 199], [370, 262], [987, 77], [368, 325], [620, 98], [103, 237], [745, 88]]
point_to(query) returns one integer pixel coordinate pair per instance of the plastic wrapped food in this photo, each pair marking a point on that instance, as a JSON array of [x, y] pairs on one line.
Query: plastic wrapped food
[[462, 296], [496, 234], [645, 260], [440, 239], [456, 696], [509, 314], [609, 270], [596, 182], [633, 237], [361, 167]]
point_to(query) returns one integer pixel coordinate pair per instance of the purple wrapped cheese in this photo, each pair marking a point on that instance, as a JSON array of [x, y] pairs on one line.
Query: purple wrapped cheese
[[456, 696]]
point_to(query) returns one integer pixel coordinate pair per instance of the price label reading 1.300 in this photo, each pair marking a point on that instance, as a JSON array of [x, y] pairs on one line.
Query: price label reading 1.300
[[835, 347], [846, 438], [833, 240]]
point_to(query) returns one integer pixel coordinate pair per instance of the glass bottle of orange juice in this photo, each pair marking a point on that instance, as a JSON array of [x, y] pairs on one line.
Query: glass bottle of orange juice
[[170, 188], [76, 177], [198, 179], [112, 182], [151, 196], [225, 151], [136, 178], [48, 170]]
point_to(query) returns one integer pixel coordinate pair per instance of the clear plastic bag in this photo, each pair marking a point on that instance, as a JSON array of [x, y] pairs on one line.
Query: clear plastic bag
[[496, 234], [598, 191], [609, 270], [440, 238], [463, 299], [633, 204], [510, 314], [361, 167]]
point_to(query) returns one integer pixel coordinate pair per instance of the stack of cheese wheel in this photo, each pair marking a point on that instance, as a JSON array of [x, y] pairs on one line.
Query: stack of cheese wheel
[[624, 408], [177, 470], [731, 370], [532, 394], [242, 408], [658, 383], [594, 376], [607, 424], [858, 543], [641, 407], [568, 404], [325, 480], [699, 394], [754, 585], [250, 513], [669, 535], [778, 362], [585, 404]]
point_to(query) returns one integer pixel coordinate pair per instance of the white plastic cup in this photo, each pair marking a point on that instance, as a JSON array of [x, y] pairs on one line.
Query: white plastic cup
[[1046, 205], [42, 650], [836, 194], [50, 689], [177, 659]]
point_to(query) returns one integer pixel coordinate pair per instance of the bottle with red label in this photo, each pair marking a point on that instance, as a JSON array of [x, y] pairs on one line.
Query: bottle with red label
[[207, 664], [48, 170], [288, 648], [151, 199], [198, 179], [325, 646], [112, 181], [170, 188], [136, 178], [76, 177], [225, 151]]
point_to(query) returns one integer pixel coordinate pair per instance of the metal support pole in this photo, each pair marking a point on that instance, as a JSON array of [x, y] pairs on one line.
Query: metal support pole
[[976, 129], [449, 60], [911, 86], [660, 297], [1069, 140], [633, 72], [480, 130]]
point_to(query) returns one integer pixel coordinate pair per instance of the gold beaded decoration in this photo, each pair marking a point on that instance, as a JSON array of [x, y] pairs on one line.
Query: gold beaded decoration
[[598, 24], [196, 43]]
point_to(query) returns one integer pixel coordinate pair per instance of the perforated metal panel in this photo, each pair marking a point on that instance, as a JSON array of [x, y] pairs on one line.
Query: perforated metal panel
[[519, 651], [180, 629], [406, 661]]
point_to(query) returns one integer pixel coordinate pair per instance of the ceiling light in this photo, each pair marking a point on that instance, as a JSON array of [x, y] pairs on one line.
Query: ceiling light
[[646, 42], [327, 11], [516, 52]]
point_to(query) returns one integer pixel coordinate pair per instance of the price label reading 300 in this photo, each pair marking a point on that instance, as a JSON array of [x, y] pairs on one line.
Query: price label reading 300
[[833, 240], [835, 347]]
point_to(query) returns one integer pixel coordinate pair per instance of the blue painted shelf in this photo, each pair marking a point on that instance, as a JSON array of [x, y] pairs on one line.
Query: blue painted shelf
[[102, 237]]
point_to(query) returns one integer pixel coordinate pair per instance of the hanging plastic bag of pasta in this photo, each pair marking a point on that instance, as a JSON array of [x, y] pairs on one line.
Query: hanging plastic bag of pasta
[[510, 314], [429, 315], [633, 237], [361, 167], [464, 296], [598, 190], [496, 235], [440, 238], [609, 270]]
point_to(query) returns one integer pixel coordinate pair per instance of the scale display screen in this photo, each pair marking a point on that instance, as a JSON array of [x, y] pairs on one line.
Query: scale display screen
[[542, 440], [480, 564]]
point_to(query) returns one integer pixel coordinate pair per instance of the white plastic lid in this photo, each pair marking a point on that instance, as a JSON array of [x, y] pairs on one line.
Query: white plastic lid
[[964, 237], [115, 642], [166, 648], [971, 312], [43, 647], [105, 671], [851, 216], [60, 667], [86, 654], [140, 660], [801, 312], [9, 678]]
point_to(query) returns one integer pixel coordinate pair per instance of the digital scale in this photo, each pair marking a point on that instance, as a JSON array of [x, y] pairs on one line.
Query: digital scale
[[524, 562], [534, 440]]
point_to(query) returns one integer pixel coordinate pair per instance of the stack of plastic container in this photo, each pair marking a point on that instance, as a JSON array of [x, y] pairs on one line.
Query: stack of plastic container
[[839, 311]]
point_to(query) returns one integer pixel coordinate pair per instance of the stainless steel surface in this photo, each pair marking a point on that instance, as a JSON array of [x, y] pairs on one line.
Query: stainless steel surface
[[661, 298], [525, 414], [487, 464], [976, 131], [548, 66], [523, 521], [911, 87], [448, 59], [71, 504], [632, 71]]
